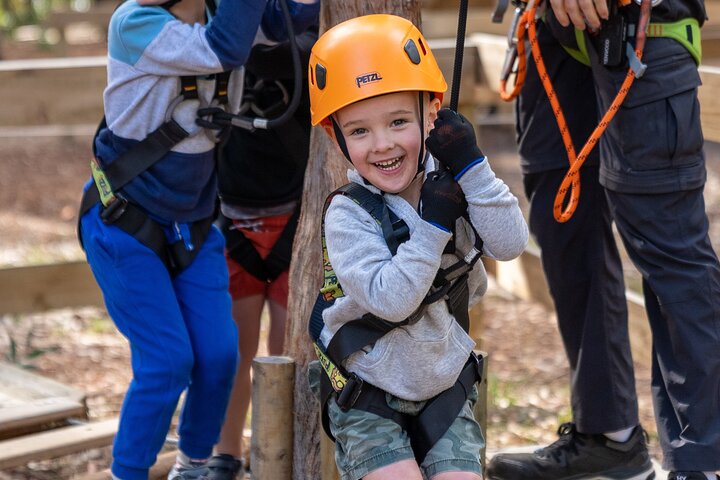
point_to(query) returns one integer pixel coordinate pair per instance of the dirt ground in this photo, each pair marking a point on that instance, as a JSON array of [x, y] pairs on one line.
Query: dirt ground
[[40, 183]]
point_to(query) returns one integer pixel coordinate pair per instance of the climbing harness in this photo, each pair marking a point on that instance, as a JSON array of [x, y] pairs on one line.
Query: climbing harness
[[214, 117], [108, 180], [686, 31], [241, 249], [350, 391]]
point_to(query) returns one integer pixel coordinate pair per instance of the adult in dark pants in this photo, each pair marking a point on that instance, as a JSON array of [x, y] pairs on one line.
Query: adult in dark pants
[[650, 182]]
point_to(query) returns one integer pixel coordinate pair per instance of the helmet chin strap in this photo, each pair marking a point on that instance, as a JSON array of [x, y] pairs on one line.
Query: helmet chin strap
[[421, 121], [340, 138]]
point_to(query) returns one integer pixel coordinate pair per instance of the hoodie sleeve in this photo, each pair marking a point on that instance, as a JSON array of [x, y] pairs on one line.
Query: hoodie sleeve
[[494, 213], [153, 41], [390, 287]]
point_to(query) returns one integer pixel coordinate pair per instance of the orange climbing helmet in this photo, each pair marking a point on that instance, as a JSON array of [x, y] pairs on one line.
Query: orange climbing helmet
[[368, 56]]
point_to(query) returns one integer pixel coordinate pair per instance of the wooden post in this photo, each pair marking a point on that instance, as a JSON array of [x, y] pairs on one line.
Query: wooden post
[[328, 466], [272, 418], [325, 171]]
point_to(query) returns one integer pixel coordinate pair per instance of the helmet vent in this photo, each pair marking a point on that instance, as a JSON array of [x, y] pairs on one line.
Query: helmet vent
[[422, 46], [321, 75], [412, 51]]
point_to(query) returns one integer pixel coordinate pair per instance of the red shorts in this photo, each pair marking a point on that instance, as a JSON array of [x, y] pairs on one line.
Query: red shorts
[[262, 233]]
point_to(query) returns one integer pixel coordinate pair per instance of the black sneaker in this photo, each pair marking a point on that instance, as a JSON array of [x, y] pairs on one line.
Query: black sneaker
[[688, 476], [576, 456], [224, 467]]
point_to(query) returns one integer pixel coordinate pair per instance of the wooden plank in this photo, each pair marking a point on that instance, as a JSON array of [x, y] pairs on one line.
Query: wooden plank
[[442, 23], [710, 102], [22, 419], [45, 287], [56, 443], [444, 52], [30, 402], [55, 91], [524, 278], [26, 385], [159, 471]]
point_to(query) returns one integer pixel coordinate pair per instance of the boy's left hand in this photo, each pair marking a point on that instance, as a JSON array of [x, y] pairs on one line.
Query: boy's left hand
[[452, 141]]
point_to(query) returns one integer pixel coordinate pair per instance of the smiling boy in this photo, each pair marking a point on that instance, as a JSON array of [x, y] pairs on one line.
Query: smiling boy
[[402, 244]]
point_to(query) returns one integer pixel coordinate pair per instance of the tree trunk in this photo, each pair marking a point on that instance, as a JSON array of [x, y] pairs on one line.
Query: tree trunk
[[325, 172]]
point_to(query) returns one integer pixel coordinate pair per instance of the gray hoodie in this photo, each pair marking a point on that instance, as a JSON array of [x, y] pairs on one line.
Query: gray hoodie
[[418, 361]]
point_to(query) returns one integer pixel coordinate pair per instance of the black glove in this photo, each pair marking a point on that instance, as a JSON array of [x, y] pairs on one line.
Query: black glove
[[442, 201], [452, 141]]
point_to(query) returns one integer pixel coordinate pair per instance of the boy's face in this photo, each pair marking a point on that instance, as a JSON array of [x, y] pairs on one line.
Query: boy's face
[[383, 137]]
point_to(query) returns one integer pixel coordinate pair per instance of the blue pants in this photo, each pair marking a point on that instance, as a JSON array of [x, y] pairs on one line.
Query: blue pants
[[181, 336]]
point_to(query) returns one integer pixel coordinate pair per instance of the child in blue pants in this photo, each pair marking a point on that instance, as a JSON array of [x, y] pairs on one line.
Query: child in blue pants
[[146, 222]]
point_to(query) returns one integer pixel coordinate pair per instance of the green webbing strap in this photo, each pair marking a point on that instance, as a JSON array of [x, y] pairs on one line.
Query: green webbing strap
[[580, 54], [686, 31]]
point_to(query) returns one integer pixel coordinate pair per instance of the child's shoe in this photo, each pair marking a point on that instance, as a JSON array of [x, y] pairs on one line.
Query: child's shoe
[[224, 467], [178, 472]]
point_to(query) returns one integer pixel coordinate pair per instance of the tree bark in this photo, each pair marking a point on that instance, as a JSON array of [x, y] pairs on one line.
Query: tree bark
[[325, 172]]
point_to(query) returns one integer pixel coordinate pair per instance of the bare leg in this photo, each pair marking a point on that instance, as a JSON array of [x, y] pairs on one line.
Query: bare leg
[[457, 476], [405, 469], [246, 312], [278, 319]]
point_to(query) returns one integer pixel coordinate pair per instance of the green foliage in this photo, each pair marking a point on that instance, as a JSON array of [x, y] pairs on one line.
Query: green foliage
[[16, 13]]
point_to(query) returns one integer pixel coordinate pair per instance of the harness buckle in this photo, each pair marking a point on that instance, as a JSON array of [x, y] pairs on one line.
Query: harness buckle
[[114, 210], [350, 392], [478, 362]]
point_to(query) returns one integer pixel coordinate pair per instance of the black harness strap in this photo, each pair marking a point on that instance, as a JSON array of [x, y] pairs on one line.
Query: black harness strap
[[117, 210], [424, 429], [241, 249]]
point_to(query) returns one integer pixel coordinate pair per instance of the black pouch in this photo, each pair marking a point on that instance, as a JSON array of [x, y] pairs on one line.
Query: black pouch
[[610, 40]]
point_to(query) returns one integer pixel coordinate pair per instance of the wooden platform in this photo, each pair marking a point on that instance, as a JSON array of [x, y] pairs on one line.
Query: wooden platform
[[29, 402], [36, 416]]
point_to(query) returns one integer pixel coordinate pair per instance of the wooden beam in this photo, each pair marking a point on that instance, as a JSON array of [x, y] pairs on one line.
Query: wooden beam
[[52, 91], [30, 402], [56, 443], [159, 471], [20, 419], [710, 102], [46, 287]]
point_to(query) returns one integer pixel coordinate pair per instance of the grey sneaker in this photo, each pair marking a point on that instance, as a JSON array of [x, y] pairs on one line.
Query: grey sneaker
[[179, 472], [577, 456], [224, 467]]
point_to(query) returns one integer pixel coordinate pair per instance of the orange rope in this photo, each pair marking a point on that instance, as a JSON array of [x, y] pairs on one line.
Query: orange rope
[[571, 182]]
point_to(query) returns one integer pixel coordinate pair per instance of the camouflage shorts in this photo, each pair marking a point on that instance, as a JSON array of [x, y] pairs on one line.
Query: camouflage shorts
[[365, 442]]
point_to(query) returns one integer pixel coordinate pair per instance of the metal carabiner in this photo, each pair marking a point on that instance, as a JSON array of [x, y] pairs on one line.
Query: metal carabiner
[[512, 51]]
